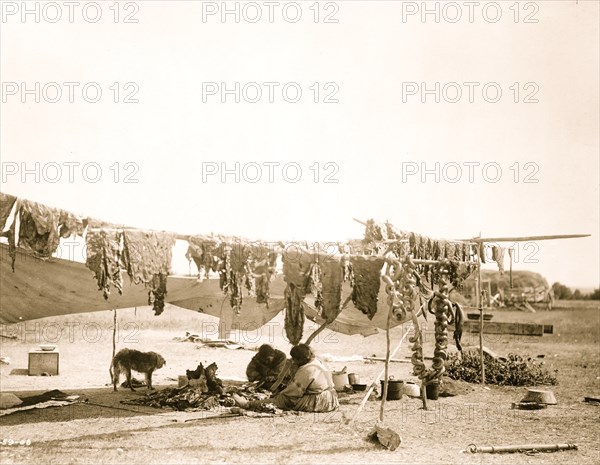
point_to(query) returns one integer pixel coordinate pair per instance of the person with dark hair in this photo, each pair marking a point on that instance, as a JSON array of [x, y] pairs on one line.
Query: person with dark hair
[[266, 366], [311, 389]]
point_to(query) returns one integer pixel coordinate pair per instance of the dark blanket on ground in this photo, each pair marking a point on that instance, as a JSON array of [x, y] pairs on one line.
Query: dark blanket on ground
[[55, 394]]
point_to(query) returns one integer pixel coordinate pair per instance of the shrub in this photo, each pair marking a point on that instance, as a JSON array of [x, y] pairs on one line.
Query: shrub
[[515, 370]]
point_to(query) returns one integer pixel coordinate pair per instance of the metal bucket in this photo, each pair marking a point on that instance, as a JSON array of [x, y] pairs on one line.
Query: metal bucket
[[340, 379], [432, 390], [353, 378], [395, 388]]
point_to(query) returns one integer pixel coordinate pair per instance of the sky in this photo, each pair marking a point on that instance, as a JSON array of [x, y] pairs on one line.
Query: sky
[[451, 123]]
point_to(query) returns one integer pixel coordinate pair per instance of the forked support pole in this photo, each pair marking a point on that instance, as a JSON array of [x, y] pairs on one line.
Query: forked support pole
[[374, 384]]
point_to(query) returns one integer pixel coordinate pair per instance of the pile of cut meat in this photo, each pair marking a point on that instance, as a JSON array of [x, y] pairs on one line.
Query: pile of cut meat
[[204, 391]]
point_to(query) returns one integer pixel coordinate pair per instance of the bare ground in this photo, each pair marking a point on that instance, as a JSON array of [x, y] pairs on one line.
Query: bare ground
[[90, 433]]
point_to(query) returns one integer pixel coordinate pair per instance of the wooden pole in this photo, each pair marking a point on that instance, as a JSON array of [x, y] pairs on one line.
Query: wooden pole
[[524, 238], [510, 259], [114, 338], [419, 334], [316, 333], [114, 344], [416, 261], [424, 394], [508, 239], [387, 361], [480, 305], [225, 324]]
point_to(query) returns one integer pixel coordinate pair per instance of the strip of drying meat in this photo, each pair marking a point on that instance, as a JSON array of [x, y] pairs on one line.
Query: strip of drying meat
[[7, 202], [332, 275], [147, 259], [294, 313], [104, 259], [367, 281], [38, 228]]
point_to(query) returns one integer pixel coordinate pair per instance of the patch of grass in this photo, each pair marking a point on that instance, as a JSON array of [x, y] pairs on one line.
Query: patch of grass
[[516, 370], [576, 304]]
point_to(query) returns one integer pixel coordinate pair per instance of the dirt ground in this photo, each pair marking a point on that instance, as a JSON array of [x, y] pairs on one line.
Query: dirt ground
[[103, 430]]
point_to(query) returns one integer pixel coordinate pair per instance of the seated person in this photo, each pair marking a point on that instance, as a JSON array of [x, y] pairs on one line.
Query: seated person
[[311, 389], [266, 366]]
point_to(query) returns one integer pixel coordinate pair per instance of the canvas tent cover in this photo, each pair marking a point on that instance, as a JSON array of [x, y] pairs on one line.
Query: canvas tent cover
[[41, 288]]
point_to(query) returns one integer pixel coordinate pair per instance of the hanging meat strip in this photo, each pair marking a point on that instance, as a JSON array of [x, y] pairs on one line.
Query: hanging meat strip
[[203, 251], [332, 275], [12, 248], [412, 242], [146, 254], [442, 244], [147, 259], [236, 271], [297, 268], [6, 204], [435, 251], [451, 250], [294, 313], [156, 296], [104, 259], [70, 224], [367, 280], [264, 268], [38, 229], [498, 257], [375, 232], [481, 252], [395, 233]]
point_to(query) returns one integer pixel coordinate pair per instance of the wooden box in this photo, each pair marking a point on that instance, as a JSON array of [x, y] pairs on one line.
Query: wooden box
[[43, 361]]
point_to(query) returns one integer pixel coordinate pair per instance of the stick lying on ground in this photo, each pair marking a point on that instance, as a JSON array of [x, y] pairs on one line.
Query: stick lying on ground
[[521, 448]]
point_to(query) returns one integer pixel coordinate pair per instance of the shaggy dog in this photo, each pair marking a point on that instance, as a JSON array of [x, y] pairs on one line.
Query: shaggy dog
[[143, 362]]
